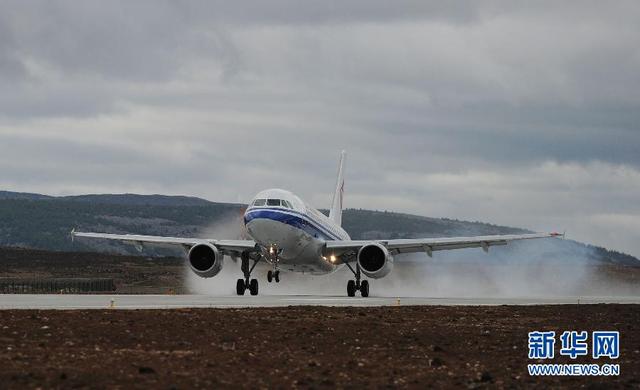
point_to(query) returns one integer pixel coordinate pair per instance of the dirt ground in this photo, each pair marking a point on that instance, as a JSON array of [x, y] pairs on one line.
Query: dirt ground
[[305, 347]]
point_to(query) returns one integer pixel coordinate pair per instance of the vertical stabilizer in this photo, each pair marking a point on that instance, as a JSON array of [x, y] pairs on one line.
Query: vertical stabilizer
[[335, 214]]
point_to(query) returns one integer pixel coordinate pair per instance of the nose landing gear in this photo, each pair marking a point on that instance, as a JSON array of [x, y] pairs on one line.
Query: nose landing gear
[[273, 275], [357, 285], [274, 256]]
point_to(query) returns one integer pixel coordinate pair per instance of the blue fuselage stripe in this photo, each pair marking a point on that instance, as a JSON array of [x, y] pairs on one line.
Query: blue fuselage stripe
[[296, 220]]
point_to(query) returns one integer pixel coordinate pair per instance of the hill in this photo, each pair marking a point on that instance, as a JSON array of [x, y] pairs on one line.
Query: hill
[[44, 222]]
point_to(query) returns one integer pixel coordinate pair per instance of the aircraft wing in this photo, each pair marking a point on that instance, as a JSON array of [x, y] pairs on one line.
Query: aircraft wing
[[347, 250], [227, 247]]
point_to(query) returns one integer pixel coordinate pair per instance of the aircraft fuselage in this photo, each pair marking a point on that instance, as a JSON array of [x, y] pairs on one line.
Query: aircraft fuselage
[[290, 233]]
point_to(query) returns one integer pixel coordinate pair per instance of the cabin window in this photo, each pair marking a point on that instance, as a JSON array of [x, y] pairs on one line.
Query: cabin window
[[259, 202], [273, 202]]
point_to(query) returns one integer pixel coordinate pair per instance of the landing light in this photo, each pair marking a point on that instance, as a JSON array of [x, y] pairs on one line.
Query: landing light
[[333, 258], [270, 250]]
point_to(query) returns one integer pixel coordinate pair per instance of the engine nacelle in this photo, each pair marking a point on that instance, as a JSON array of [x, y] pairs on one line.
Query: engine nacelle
[[374, 260], [205, 260]]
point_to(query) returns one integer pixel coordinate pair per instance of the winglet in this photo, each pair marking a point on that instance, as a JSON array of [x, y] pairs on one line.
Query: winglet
[[72, 234], [335, 214]]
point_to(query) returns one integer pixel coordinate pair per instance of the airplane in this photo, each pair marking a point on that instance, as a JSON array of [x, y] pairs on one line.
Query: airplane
[[290, 235]]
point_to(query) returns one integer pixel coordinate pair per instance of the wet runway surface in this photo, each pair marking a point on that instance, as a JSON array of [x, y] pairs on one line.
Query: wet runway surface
[[68, 301]]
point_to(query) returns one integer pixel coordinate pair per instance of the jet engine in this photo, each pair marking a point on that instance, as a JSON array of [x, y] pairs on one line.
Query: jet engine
[[374, 260], [205, 260]]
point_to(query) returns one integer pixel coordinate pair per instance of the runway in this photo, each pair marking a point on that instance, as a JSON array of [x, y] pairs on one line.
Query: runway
[[71, 302]]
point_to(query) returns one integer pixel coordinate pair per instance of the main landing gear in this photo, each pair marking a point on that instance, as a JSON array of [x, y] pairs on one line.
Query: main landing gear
[[247, 284], [273, 275], [355, 285]]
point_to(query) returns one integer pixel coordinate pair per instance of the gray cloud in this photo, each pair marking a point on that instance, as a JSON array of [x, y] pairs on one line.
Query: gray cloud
[[526, 115]]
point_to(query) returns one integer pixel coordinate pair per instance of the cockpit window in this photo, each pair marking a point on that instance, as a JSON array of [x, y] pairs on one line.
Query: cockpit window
[[273, 202]]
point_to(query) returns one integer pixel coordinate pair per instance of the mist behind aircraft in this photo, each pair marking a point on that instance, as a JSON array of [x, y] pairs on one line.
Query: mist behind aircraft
[[543, 268]]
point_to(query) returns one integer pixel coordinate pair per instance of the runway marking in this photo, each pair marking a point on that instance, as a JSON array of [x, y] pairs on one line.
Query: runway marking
[[323, 299], [74, 302]]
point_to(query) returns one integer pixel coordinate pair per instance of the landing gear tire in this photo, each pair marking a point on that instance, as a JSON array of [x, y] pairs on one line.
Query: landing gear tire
[[240, 287], [270, 276], [247, 283], [253, 287], [351, 288], [276, 276], [364, 288]]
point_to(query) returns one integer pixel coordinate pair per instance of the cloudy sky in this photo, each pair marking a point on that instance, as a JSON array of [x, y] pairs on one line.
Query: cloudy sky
[[523, 115]]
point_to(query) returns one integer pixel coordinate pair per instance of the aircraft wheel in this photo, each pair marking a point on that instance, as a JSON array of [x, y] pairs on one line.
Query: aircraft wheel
[[270, 276], [351, 288], [253, 287], [364, 288], [240, 287], [277, 276]]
